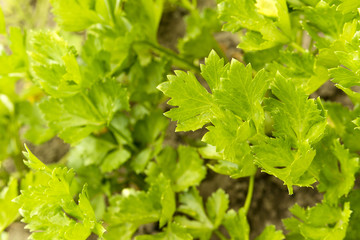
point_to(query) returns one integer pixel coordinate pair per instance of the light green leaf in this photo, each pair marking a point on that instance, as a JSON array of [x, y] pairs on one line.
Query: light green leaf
[[75, 15], [340, 119], [109, 96], [337, 174], [192, 205], [132, 207], [49, 209], [262, 32], [199, 39], [237, 225], [8, 209], [53, 63], [34, 163], [213, 70], [270, 233], [353, 230], [125, 230], [296, 117], [114, 160], [193, 100], [184, 168], [139, 207], [276, 157], [242, 94], [77, 116], [141, 160], [145, 16], [72, 118], [229, 135], [216, 206], [37, 131], [348, 6], [320, 222], [302, 68], [167, 201], [189, 170]]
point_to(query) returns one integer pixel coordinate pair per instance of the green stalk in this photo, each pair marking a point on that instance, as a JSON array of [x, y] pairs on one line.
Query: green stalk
[[297, 47], [311, 44], [17, 146], [19, 161], [299, 38], [110, 11], [249, 193], [220, 235], [170, 54], [190, 6]]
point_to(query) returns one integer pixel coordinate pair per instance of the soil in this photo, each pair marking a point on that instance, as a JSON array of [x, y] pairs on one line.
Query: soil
[[270, 202]]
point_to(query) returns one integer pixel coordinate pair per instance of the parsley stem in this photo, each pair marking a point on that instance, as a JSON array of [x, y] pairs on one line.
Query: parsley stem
[[220, 235], [110, 11], [297, 47], [18, 159], [17, 145], [249, 193], [311, 45], [169, 53], [190, 6]]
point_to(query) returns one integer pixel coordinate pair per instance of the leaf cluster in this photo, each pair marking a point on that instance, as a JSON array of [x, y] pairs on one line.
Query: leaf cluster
[[94, 81]]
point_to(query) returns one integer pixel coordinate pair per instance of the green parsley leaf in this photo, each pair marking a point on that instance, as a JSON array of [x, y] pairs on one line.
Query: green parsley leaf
[[340, 119], [8, 209], [125, 230], [213, 70], [76, 117], [237, 225], [353, 230], [29, 114], [53, 63], [337, 174], [186, 172], [75, 15], [348, 6], [270, 233], [49, 209], [320, 222], [199, 39], [262, 31], [114, 160], [139, 207], [203, 223], [303, 69], [216, 206], [243, 94], [145, 16], [276, 157], [295, 117], [193, 100]]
